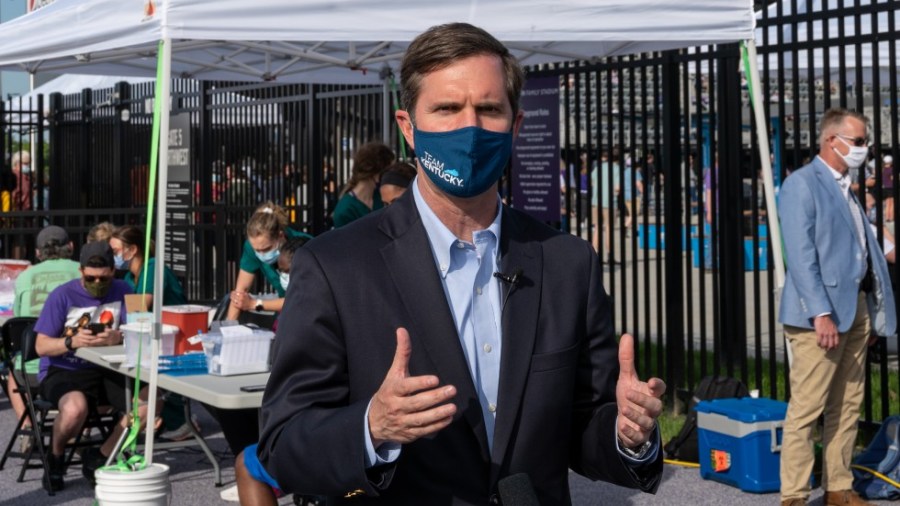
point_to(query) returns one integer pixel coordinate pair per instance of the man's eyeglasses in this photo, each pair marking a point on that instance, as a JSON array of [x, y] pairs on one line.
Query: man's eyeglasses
[[97, 279], [859, 142]]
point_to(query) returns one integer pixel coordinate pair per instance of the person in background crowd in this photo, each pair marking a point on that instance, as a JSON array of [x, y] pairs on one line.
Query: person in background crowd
[[887, 243], [33, 286], [359, 196], [21, 195], [395, 181], [267, 231], [650, 179], [628, 194], [406, 372], [835, 273], [887, 187], [101, 232], [605, 198]]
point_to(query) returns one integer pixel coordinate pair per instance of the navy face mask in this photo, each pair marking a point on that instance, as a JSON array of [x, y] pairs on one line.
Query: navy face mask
[[463, 162]]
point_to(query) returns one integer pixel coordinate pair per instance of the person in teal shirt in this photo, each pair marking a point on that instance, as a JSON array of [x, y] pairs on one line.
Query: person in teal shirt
[[128, 247], [267, 231], [360, 195], [127, 244]]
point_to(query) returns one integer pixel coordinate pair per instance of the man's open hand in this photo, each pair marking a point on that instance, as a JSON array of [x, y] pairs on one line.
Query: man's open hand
[[406, 407]]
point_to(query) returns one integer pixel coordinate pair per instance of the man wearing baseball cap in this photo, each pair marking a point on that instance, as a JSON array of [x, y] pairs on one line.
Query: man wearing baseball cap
[[33, 285], [64, 325], [54, 252]]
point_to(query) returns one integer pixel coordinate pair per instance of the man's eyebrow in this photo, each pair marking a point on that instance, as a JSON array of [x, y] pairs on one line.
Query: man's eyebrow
[[444, 103]]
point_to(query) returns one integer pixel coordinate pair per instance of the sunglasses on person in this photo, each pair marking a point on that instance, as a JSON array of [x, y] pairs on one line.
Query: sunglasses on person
[[859, 142], [97, 279]]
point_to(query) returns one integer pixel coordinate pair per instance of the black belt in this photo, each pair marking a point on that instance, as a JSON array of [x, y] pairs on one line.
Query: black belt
[[868, 281]]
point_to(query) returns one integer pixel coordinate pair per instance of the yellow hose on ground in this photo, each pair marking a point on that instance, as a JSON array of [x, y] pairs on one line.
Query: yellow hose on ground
[[876, 474], [682, 463]]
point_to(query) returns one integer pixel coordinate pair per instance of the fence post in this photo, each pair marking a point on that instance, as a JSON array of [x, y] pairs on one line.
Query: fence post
[[733, 330], [674, 267], [122, 169], [317, 162], [56, 165]]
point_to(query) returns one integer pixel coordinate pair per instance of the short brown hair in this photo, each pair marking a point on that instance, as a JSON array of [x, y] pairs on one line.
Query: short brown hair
[[833, 118], [440, 46]]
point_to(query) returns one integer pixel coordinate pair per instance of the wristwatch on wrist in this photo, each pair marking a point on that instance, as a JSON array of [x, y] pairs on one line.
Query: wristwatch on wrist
[[68, 343], [259, 305], [635, 453]]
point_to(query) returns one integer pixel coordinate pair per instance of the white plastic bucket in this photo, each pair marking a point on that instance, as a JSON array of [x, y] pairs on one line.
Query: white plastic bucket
[[147, 487], [139, 334]]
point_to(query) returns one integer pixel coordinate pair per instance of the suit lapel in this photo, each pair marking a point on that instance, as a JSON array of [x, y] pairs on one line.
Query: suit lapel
[[519, 320], [411, 265]]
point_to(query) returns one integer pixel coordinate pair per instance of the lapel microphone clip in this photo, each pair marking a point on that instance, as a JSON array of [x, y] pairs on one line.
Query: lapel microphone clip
[[512, 279]]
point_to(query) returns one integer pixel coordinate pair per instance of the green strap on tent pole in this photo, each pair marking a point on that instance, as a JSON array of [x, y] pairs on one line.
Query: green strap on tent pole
[[396, 108], [135, 461]]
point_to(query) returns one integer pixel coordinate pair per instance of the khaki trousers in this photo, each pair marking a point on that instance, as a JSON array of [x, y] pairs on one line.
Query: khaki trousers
[[830, 381]]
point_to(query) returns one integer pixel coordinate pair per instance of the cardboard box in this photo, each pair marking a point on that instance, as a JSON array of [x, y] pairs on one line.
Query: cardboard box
[[190, 320], [740, 442]]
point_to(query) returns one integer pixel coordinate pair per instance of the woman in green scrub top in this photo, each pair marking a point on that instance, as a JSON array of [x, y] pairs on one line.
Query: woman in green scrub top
[[267, 231], [127, 244], [360, 195]]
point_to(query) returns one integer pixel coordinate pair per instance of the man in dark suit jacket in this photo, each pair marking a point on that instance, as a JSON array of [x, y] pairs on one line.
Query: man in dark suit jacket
[[407, 372]]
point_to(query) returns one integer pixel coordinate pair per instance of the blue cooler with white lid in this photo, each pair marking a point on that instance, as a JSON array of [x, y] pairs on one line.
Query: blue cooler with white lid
[[740, 442]]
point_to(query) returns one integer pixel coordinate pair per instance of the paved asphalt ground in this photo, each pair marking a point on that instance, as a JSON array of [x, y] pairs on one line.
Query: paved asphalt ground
[[192, 480]]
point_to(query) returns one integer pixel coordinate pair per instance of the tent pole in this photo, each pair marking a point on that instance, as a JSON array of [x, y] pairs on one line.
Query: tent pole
[[161, 191], [768, 182], [385, 111]]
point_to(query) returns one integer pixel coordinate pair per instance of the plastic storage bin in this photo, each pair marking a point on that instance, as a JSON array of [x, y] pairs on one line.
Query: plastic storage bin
[[740, 442], [237, 350], [140, 334]]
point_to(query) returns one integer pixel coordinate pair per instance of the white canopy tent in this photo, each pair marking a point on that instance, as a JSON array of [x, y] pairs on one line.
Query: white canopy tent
[[341, 42]]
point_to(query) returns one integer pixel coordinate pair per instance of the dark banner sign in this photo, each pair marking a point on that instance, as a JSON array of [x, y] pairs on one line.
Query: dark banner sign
[[535, 161], [178, 193]]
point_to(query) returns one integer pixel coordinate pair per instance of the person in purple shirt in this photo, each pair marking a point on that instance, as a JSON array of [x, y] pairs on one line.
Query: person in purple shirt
[[72, 318]]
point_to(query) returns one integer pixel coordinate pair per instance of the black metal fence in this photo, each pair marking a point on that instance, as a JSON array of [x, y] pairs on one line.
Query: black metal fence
[[676, 210]]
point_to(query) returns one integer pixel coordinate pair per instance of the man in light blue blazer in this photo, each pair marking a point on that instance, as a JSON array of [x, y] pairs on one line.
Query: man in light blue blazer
[[836, 293]]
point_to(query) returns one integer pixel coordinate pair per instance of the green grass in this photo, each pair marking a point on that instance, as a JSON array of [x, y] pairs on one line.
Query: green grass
[[670, 422]]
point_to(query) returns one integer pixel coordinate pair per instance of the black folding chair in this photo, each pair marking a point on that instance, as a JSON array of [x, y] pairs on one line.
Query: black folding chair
[[42, 414], [10, 332]]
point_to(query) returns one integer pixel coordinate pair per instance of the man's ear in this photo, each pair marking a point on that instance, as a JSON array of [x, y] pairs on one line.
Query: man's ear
[[404, 121], [517, 123]]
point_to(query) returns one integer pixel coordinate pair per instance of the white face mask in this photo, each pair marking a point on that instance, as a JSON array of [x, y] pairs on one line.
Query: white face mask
[[855, 157], [284, 278], [26, 168]]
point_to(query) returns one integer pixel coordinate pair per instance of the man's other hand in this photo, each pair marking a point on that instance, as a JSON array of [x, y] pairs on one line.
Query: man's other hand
[[826, 332], [640, 403]]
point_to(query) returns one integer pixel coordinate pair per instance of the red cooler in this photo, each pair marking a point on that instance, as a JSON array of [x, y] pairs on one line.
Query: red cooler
[[190, 320]]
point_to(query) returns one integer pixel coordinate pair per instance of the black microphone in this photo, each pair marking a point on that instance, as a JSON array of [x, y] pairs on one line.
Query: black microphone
[[517, 490], [512, 279]]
